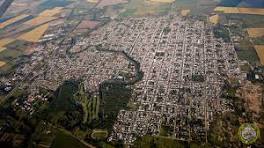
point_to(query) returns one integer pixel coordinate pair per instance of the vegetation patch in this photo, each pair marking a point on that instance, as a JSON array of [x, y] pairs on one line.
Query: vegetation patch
[[157, 142], [99, 134], [255, 32], [12, 20], [260, 51], [245, 51], [35, 34], [258, 11], [221, 32], [214, 19], [63, 140]]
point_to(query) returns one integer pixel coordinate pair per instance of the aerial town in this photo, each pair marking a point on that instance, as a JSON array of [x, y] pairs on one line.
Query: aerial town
[[108, 73], [183, 66]]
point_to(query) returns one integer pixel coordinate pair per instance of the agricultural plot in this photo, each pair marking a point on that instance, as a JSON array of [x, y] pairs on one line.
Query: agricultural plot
[[104, 3], [12, 20], [39, 20], [45, 16], [92, 109], [197, 7], [2, 63], [214, 19], [35, 34], [256, 11], [143, 8], [49, 4], [99, 134], [65, 140], [2, 49], [51, 12], [260, 51], [185, 12], [87, 24], [255, 32], [92, 1], [6, 41], [162, 1]]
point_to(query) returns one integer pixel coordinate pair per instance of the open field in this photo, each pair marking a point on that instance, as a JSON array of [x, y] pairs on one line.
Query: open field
[[185, 12], [65, 140], [99, 134], [2, 49], [158, 141], [45, 16], [143, 8], [214, 19], [12, 20], [87, 24], [51, 12], [6, 41], [92, 1], [2, 63], [257, 11], [35, 34], [255, 32], [260, 51], [104, 3], [162, 1], [39, 20]]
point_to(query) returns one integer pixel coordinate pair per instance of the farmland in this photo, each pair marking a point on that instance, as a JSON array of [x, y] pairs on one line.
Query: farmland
[[2, 63], [260, 51], [6, 41], [45, 16], [255, 32], [214, 19], [92, 1], [87, 24], [39, 20], [12, 20], [35, 34], [63, 139], [162, 1], [104, 3], [2, 49], [185, 12], [99, 134], [51, 12], [143, 8], [256, 11]]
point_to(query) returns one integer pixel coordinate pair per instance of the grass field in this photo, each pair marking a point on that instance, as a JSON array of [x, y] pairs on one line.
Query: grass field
[[185, 12], [12, 20], [99, 134], [104, 3], [214, 19], [92, 1], [51, 12], [2, 49], [45, 16], [255, 32], [162, 1], [260, 51], [6, 41], [157, 142], [39, 20], [2, 63], [63, 140], [257, 11], [35, 34], [246, 51], [143, 8]]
